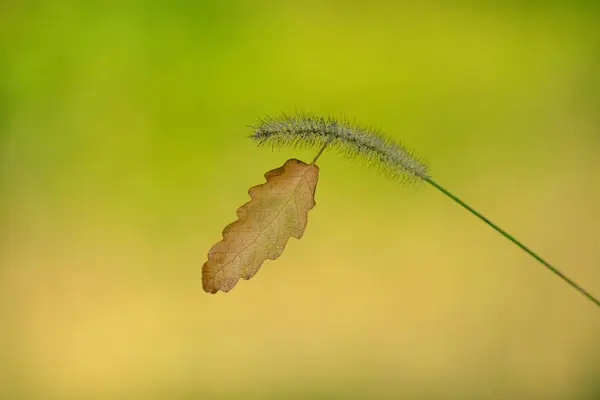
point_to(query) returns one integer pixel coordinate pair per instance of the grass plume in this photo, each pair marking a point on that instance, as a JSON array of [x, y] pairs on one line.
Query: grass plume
[[347, 137]]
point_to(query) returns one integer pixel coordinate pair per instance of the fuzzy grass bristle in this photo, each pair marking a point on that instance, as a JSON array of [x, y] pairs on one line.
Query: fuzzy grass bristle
[[347, 137]]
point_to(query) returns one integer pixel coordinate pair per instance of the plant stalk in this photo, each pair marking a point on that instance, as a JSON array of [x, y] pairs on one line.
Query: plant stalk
[[515, 241]]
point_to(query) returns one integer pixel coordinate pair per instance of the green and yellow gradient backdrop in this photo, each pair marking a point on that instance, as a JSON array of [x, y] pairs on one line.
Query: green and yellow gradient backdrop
[[124, 153]]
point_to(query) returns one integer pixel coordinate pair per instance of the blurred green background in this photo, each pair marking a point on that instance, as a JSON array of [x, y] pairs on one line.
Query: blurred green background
[[124, 153]]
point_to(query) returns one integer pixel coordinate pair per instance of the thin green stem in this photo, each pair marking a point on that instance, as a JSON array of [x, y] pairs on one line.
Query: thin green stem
[[515, 241], [321, 151]]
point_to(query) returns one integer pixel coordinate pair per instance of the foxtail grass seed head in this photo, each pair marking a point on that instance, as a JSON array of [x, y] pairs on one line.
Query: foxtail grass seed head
[[348, 138]]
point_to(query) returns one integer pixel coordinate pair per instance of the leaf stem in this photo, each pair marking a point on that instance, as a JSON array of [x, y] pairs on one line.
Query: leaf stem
[[515, 241], [321, 151]]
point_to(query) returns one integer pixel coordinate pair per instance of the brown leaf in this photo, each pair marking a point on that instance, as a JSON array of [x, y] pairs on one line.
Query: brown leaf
[[277, 211]]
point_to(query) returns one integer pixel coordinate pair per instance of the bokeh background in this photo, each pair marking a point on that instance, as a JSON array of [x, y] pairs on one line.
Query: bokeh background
[[124, 153]]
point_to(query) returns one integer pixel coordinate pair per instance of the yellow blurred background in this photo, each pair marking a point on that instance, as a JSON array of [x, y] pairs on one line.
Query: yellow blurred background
[[124, 153]]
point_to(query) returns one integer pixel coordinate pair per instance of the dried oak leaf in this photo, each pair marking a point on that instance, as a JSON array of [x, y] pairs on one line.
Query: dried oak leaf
[[277, 210]]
